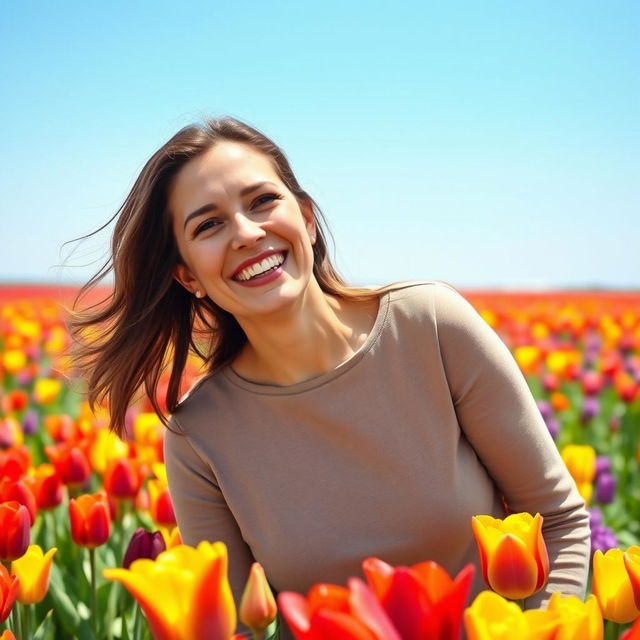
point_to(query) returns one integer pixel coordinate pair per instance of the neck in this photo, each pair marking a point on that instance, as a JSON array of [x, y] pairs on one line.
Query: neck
[[314, 337]]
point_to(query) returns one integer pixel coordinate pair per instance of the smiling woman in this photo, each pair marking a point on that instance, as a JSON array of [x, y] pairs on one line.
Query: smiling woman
[[334, 423]]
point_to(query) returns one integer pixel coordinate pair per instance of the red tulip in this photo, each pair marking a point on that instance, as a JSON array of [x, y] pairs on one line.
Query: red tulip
[[122, 478], [8, 593], [15, 530], [422, 601], [14, 462], [330, 612], [19, 491], [90, 520], [71, 464], [46, 486]]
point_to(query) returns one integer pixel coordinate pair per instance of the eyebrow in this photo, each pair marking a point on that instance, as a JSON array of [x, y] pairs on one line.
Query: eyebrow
[[206, 208]]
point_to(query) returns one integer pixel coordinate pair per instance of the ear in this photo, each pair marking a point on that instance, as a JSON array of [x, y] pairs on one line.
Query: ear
[[183, 275], [309, 219]]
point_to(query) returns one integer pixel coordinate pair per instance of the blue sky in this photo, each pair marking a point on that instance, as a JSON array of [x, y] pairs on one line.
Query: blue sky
[[488, 144]]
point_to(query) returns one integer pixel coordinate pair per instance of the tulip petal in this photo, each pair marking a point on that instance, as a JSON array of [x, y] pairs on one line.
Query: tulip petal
[[379, 575], [368, 609], [632, 565], [491, 617], [335, 625], [512, 571], [407, 604], [297, 613]]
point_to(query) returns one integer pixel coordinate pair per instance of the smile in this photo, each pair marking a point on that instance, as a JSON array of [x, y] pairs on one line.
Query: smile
[[271, 263]]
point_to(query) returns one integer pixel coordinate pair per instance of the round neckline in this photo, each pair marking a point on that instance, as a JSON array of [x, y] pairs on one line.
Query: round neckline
[[323, 378]]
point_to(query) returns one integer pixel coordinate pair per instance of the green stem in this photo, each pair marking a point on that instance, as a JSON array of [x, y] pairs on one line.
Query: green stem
[[25, 621], [16, 623], [613, 630], [94, 607], [258, 634], [136, 622]]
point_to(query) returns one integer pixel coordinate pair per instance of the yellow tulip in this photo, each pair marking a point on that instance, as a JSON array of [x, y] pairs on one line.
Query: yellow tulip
[[581, 463], [578, 620], [33, 570], [184, 592], [46, 390], [14, 360], [632, 565], [513, 555], [491, 617], [612, 586]]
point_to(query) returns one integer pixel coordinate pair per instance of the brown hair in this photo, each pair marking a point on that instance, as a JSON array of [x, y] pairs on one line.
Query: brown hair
[[124, 343]]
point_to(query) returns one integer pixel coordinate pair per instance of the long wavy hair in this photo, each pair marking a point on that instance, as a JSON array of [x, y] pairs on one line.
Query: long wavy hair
[[149, 321]]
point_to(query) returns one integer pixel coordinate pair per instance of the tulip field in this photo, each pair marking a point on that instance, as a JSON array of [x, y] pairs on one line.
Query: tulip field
[[89, 546]]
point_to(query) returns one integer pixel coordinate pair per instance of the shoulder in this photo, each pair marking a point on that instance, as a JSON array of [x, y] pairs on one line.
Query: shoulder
[[418, 298]]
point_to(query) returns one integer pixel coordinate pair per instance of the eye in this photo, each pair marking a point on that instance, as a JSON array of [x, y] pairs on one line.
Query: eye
[[266, 198], [207, 224]]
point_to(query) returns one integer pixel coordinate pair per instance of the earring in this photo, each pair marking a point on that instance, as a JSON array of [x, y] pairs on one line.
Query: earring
[[198, 293]]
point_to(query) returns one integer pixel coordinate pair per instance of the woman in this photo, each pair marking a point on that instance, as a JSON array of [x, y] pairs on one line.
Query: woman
[[335, 423]]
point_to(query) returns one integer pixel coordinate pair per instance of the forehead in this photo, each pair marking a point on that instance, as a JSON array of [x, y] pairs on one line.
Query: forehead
[[219, 172]]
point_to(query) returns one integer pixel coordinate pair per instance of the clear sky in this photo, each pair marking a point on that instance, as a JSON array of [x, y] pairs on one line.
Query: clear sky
[[488, 144]]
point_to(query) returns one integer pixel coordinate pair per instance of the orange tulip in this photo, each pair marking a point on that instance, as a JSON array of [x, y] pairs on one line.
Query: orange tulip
[[630, 634], [513, 555], [7, 635], [160, 505], [15, 530], [258, 606], [8, 592], [19, 491], [71, 463], [90, 520]]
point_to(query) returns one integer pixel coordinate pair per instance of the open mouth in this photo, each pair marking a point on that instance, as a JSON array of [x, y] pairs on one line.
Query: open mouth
[[261, 268]]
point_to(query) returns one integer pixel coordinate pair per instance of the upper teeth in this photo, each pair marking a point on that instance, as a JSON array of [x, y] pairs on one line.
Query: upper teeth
[[260, 267]]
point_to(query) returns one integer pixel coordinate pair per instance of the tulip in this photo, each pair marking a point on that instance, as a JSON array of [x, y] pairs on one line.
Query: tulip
[[612, 586], [422, 600], [46, 390], [160, 505], [14, 360], [143, 544], [184, 593], [258, 606], [71, 463], [9, 585], [46, 486], [578, 620], [592, 382], [14, 462], [30, 422], [330, 612], [32, 570], [15, 530], [631, 559], [122, 478], [605, 488], [581, 463], [19, 491], [491, 617], [90, 520], [513, 555], [7, 634], [10, 432], [630, 634], [559, 401]]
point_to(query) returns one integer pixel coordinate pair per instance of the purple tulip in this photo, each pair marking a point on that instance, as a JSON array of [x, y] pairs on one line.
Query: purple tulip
[[554, 427], [545, 409], [590, 409], [595, 518], [605, 488], [30, 422], [603, 465], [143, 544]]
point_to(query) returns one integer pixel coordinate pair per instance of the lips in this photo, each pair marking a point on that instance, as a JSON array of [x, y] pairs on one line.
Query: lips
[[255, 260]]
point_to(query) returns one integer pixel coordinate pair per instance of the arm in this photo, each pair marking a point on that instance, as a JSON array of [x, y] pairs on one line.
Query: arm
[[501, 420], [201, 510]]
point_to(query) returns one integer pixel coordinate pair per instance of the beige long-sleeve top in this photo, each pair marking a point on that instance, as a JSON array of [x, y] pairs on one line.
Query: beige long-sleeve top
[[388, 455]]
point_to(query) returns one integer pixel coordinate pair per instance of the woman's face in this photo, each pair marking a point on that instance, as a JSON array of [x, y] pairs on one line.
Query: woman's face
[[244, 239]]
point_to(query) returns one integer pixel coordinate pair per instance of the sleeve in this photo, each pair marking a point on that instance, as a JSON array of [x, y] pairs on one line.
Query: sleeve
[[501, 420], [201, 510]]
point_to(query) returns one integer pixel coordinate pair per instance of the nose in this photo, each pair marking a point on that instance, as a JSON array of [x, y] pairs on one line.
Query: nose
[[246, 231]]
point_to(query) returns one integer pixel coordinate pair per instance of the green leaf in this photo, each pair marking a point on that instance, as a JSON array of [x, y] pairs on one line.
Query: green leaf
[[47, 623]]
